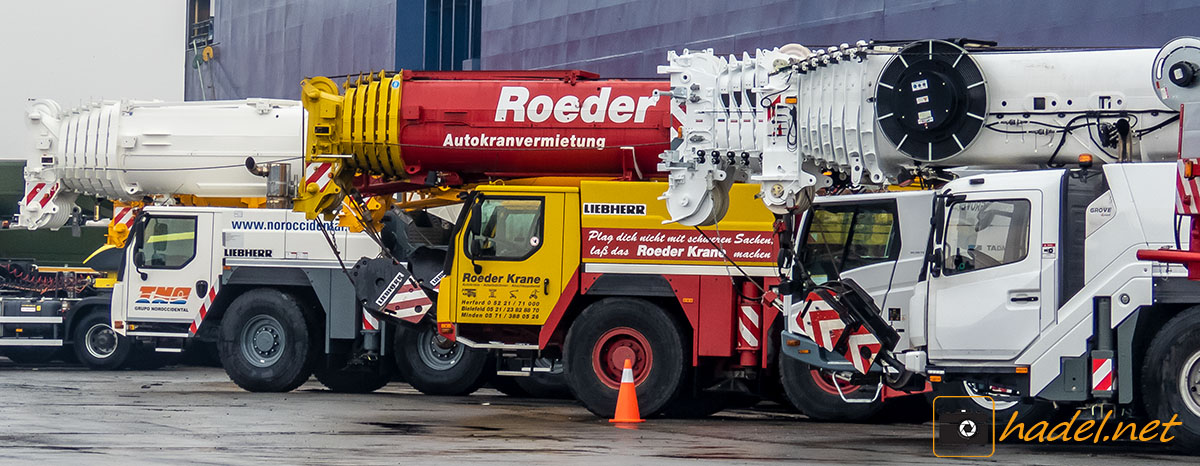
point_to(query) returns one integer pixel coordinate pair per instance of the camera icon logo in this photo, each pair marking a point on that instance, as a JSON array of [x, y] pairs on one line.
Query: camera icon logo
[[964, 430]]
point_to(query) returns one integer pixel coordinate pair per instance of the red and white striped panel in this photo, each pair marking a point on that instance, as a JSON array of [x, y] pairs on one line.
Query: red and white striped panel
[[370, 322], [678, 114], [1102, 376], [748, 328], [318, 173], [41, 194], [204, 307], [409, 303], [124, 216], [825, 327], [1187, 191]]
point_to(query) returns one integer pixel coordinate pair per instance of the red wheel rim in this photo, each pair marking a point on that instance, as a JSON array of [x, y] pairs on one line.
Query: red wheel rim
[[611, 351], [826, 385]]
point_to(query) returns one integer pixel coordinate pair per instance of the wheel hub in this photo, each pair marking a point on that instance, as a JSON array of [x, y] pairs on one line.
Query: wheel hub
[[825, 381], [100, 341], [438, 352], [613, 348], [263, 341], [1189, 383]]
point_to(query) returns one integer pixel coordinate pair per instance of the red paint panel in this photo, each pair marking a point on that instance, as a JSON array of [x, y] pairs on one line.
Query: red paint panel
[[687, 291], [526, 126], [718, 312], [678, 246], [564, 301]]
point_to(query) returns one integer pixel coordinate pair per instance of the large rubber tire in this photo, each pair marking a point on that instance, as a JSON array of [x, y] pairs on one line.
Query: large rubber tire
[[357, 380], [695, 406], [551, 384], [1027, 409], [145, 358], [537, 385], [612, 330], [436, 366], [1171, 377], [508, 386], [31, 354], [97, 345], [266, 342], [812, 393]]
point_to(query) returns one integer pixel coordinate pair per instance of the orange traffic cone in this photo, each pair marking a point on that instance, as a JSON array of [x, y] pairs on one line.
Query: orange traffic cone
[[627, 406]]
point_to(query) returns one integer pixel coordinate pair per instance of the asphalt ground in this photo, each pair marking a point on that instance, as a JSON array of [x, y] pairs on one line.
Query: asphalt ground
[[59, 414]]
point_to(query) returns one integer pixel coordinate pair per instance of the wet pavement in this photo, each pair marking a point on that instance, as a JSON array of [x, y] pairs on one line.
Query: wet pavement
[[61, 414]]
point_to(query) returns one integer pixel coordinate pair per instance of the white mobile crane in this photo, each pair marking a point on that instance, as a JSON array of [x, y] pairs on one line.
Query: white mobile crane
[[133, 154], [1037, 283]]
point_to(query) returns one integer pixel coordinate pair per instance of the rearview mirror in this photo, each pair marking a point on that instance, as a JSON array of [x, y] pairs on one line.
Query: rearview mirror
[[139, 259], [935, 262]]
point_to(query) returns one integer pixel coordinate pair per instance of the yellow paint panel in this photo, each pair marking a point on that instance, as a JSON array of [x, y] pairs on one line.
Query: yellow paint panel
[[519, 255]]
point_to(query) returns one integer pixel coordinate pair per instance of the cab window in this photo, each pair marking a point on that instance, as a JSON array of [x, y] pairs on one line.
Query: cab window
[[505, 228], [983, 234], [167, 243], [845, 237]]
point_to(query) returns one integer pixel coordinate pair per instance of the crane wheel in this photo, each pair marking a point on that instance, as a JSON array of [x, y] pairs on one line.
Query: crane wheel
[[436, 366], [1171, 377], [265, 342], [812, 392], [97, 345], [615, 329], [357, 379], [1025, 409], [538, 385]]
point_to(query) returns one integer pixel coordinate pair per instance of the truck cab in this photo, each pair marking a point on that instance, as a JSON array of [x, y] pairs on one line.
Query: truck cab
[[590, 276], [878, 240]]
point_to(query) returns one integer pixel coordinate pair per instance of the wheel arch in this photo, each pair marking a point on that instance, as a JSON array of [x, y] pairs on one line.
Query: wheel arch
[[80, 310], [293, 281], [652, 288], [1135, 335]]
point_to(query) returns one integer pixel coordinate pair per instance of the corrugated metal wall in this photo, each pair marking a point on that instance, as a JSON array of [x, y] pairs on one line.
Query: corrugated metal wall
[[629, 38], [264, 47]]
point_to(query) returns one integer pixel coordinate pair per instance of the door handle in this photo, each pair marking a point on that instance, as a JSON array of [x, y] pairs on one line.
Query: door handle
[[547, 283], [1024, 299]]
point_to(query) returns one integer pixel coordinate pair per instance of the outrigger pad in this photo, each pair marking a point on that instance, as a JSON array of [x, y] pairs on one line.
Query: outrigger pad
[[377, 280]]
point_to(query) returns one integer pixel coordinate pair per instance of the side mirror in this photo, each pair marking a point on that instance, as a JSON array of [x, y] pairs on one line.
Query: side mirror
[[473, 246], [935, 262], [473, 223], [139, 261]]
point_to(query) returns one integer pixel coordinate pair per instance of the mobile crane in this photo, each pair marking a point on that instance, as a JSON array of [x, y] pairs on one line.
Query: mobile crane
[[532, 263], [133, 154], [265, 284], [1041, 284]]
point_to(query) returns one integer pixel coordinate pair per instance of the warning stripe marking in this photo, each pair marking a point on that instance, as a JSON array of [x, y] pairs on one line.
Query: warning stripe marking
[[319, 173], [204, 307], [370, 322], [748, 327], [41, 194], [1102, 375], [409, 301], [124, 215], [825, 327], [33, 192]]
